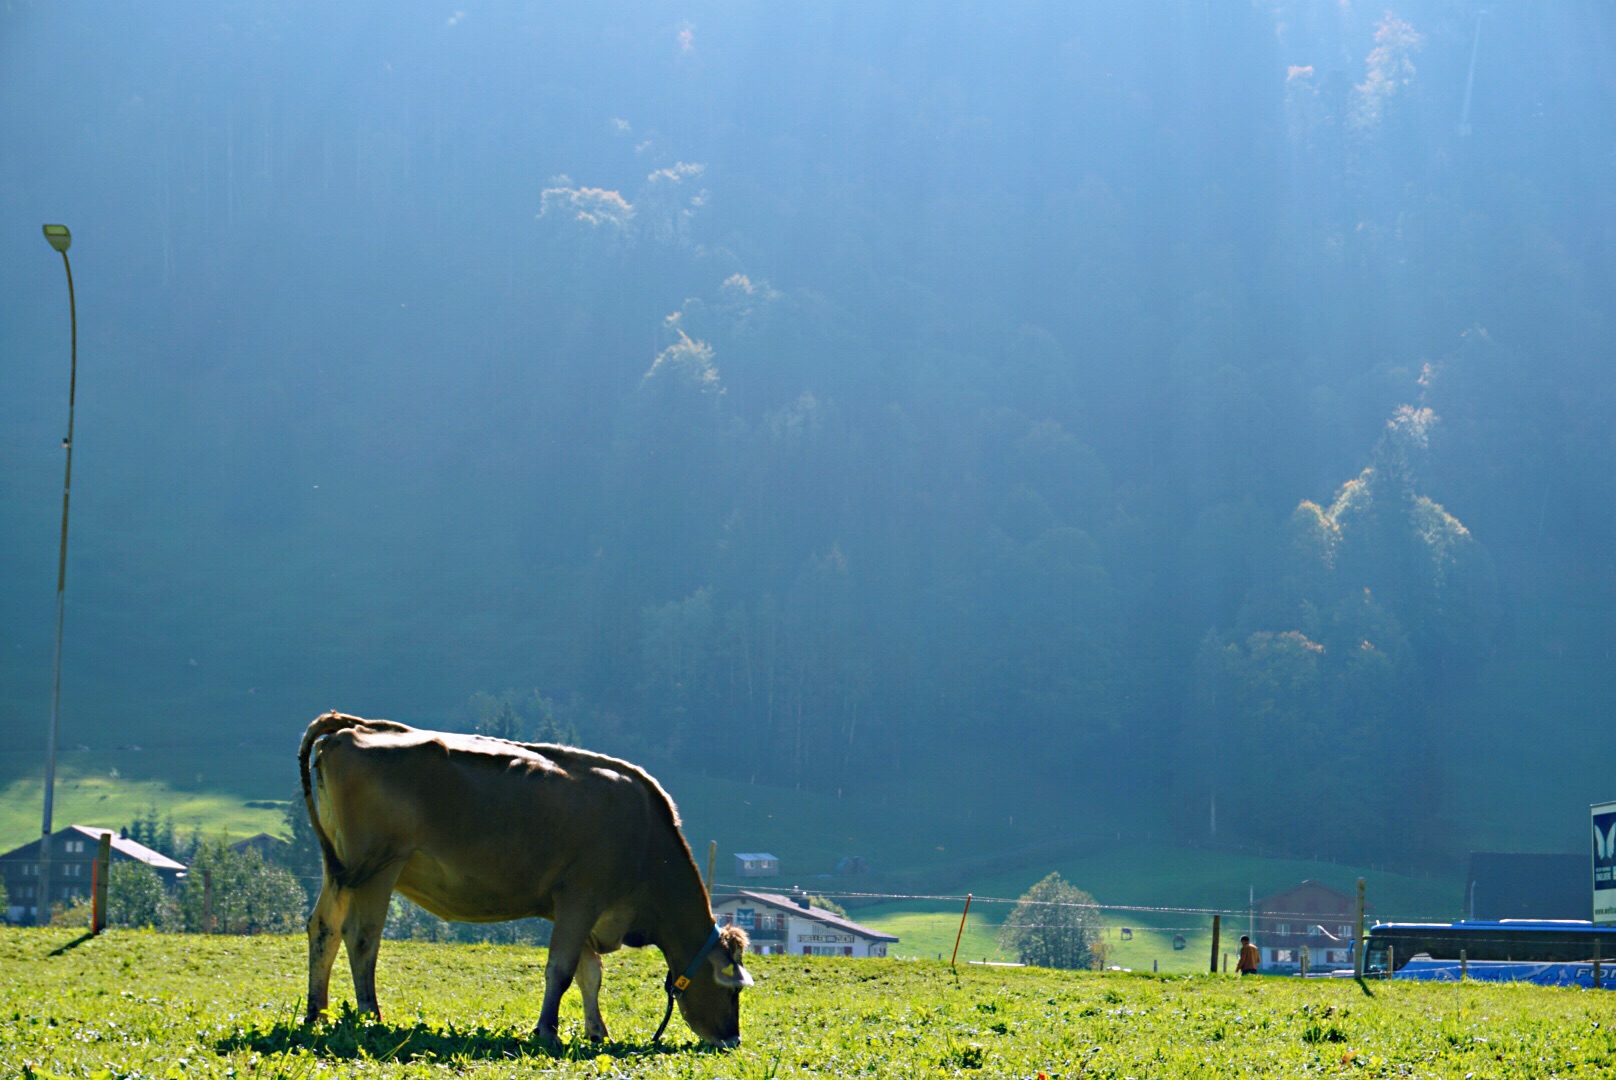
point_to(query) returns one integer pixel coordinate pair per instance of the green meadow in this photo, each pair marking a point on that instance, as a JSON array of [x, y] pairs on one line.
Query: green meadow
[[138, 1004], [102, 799], [1158, 893]]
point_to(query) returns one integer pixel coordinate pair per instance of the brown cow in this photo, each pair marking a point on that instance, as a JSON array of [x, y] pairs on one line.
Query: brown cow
[[482, 830]]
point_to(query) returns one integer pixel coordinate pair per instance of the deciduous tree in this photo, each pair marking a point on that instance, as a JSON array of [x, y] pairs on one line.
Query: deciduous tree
[[1055, 925]]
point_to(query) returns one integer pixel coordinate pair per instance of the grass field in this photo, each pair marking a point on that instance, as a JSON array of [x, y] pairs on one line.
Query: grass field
[[1130, 881], [132, 1005], [98, 798]]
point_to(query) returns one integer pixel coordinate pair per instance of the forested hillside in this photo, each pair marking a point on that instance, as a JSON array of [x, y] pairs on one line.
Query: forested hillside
[[1186, 414]]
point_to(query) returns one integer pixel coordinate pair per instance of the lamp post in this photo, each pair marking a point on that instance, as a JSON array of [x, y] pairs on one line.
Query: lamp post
[[60, 239]]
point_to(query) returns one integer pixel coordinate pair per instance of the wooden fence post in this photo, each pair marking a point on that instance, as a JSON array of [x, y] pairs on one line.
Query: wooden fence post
[[953, 961], [207, 901], [98, 884], [1217, 923], [1358, 945]]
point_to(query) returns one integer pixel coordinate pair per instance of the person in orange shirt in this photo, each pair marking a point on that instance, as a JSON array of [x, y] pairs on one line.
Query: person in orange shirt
[[1250, 958]]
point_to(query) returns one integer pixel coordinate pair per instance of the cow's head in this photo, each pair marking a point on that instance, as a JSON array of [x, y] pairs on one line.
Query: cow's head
[[711, 1004]]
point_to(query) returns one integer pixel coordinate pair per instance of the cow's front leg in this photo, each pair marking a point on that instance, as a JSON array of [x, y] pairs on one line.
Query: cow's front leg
[[589, 975], [325, 938], [566, 948], [362, 933]]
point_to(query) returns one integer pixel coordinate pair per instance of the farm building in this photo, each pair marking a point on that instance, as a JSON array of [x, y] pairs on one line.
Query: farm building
[[73, 852], [756, 864], [1311, 916], [272, 849], [779, 924]]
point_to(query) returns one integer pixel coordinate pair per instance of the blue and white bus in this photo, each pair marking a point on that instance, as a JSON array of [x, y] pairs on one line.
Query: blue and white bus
[[1545, 952]]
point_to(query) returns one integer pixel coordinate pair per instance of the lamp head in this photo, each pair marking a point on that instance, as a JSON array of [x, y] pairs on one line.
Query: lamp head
[[59, 237]]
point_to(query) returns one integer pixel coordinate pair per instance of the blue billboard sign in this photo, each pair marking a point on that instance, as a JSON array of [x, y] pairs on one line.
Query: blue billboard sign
[[1602, 817]]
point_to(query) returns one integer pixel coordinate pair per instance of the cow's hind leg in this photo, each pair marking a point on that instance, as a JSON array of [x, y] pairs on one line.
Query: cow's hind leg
[[362, 934], [589, 975], [325, 938]]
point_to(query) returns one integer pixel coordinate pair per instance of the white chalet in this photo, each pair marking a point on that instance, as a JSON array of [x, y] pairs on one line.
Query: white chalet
[[779, 924]]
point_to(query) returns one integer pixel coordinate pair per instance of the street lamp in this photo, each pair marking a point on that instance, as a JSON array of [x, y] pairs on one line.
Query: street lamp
[[60, 239]]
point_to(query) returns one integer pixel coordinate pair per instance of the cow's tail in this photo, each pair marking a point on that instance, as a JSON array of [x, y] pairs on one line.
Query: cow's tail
[[326, 724]]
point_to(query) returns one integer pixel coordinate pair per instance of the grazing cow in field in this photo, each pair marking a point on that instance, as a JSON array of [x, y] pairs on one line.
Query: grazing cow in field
[[482, 830]]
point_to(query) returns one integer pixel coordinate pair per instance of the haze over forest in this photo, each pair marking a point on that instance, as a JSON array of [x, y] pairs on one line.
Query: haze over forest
[[1090, 410]]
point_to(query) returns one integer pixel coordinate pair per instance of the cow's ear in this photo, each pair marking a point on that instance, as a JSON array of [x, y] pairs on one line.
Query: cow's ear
[[728, 972]]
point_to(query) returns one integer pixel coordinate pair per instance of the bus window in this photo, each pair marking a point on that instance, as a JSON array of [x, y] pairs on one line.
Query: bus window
[[1376, 957]]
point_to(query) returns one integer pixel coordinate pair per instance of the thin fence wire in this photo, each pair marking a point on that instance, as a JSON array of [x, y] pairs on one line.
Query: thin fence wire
[[1143, 909], [959, 898]]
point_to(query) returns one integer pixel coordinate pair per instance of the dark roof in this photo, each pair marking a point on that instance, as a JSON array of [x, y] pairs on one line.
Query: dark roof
[[128, 848], [1308, 885], [819, 915], [1528, 885], [260, 840]]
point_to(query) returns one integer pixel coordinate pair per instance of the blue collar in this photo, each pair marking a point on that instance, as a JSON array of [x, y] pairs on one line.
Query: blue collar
[[675, 987], [683, 981]]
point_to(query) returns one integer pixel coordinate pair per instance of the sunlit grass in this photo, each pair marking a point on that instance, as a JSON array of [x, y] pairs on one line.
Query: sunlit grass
[[111, 802], [142, 1004], [929, 935]]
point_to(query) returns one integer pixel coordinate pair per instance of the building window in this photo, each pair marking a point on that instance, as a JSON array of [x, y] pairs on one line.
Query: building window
[[1343, 930], [1283, 956], [1282, 928]]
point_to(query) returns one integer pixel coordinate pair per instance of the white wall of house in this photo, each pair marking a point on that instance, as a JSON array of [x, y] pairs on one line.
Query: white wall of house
[[789, 930]]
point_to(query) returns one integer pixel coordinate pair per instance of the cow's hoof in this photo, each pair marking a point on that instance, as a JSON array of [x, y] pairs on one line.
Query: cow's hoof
[[549, 1040]]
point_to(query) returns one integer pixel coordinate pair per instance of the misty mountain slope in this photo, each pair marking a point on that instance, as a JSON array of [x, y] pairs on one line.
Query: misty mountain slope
[[969, 407]]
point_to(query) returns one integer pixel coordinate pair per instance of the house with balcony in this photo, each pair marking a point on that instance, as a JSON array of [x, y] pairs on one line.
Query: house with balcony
[[1309, 916], [780, 924]]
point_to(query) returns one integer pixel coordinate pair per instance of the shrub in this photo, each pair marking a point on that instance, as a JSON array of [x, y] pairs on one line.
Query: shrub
[[136, 897], [250, 896]]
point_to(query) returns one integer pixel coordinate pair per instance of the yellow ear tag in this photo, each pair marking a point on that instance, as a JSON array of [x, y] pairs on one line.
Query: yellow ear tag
[[680, 983]]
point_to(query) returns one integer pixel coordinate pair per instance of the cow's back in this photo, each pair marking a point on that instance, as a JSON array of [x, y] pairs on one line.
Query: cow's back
[[484, 829]]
